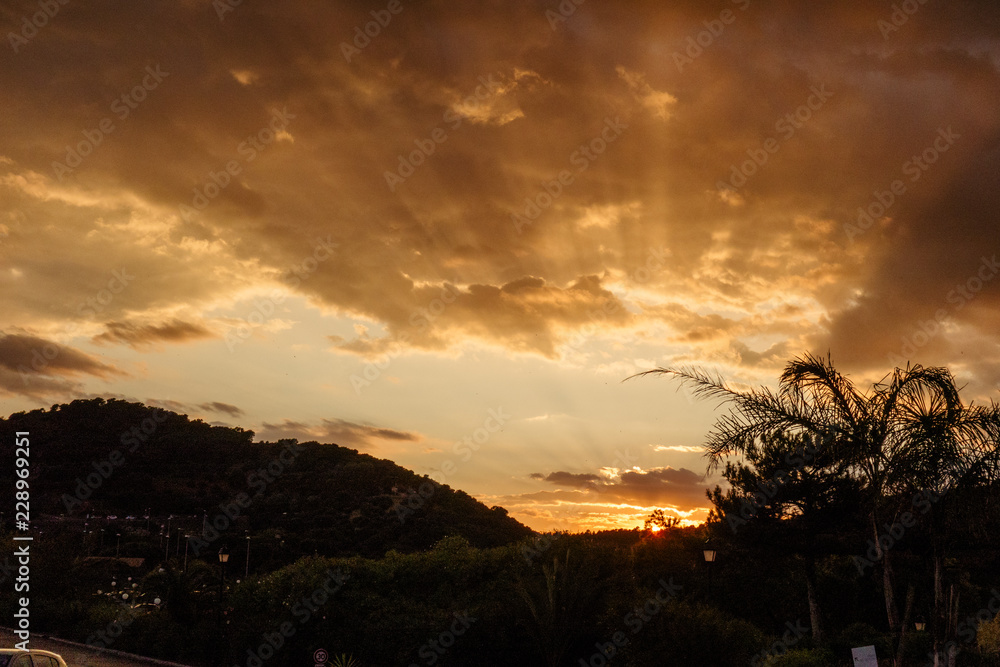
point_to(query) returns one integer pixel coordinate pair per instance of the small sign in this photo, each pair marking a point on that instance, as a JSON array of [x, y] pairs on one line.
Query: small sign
[[864, 656]]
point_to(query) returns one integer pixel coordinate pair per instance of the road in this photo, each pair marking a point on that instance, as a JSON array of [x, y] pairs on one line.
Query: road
[[79, 655]]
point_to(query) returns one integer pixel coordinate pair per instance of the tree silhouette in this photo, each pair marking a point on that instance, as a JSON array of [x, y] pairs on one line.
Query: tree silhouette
[[660, 521], [909, 432]]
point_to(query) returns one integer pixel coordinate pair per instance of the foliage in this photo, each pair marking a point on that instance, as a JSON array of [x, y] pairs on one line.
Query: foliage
[[326, 498], [332, 566], [988, 637], [807, 657], [659, 521]]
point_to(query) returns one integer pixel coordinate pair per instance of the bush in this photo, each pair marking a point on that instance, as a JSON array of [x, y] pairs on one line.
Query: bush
[[862, 634], [988, 637], [813, 657], [695, 634]]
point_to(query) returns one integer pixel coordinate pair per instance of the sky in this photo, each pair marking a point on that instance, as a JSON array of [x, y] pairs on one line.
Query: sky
[[445, 233]]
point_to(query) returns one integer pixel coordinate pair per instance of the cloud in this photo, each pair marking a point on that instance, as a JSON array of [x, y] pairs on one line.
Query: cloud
[[677, 448], [665, 485], [336, 431], [527, 314], [447, 227], [179, 407], [223, 408], [34, 366], [658, 102], [758, 193], [568, 478], [141, 335]]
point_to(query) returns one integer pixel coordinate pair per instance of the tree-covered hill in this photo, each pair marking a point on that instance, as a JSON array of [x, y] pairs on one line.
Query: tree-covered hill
[[116, 458]]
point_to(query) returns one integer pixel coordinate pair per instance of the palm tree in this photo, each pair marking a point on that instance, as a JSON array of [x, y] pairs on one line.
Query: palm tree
[[556, 604], [909, 431]]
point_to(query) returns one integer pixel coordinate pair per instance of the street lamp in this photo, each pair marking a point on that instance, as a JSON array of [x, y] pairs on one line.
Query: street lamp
[[247, 572], [223, 559], [709, 552], [920, 624]]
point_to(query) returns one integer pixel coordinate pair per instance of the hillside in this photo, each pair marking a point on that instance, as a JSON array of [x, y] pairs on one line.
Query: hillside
[[113, 458]]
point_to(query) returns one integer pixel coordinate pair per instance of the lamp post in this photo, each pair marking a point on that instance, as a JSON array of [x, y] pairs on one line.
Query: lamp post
[[710, 553], [247, 572], [920, 624], [223, 559]]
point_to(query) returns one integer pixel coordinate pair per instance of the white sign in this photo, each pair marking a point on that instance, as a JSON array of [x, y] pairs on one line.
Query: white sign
[[864, 656]]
